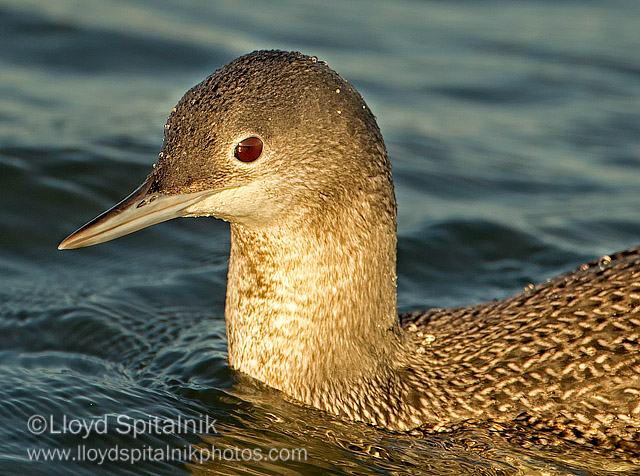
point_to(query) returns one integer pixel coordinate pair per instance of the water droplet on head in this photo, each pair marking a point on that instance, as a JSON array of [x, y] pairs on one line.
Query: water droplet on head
[[529, 287], [339, 111], [584, 267], [338, 91], [314, 59], [167, 126]]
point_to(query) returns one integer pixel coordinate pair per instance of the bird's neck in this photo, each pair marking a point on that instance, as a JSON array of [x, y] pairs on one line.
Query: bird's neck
[[311, 304]]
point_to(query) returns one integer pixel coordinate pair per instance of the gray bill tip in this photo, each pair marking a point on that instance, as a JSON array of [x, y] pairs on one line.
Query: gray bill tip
[[111, 224], [67, 243], [78, 239], [139, 210]]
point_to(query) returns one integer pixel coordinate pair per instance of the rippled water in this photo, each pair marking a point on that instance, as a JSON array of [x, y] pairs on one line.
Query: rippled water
[[514, 132]]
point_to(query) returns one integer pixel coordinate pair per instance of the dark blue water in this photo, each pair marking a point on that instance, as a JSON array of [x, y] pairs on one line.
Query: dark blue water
[[514, 132]]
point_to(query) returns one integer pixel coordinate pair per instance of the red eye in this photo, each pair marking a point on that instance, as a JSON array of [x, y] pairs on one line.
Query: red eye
[[249, 149]]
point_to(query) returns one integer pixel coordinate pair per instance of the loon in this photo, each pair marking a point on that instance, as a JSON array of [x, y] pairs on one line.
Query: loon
[[287, 151]]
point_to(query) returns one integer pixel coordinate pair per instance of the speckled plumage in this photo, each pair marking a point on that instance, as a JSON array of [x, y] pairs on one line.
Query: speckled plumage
[[563, 356], [311, 296]]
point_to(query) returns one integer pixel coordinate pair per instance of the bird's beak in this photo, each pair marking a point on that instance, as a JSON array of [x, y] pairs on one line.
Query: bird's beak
[[139, 210]]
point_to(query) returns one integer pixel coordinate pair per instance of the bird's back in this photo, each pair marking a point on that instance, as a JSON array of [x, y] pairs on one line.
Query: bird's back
[[563, 356]]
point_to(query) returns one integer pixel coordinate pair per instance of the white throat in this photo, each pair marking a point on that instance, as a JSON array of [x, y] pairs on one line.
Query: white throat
[[315, 302]]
